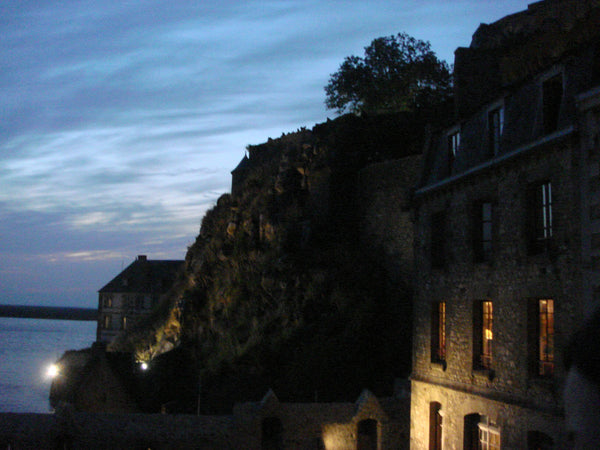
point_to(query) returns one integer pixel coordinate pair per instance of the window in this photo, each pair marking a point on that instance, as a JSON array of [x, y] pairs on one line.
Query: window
[[471, 432], [124, 323], [540, 216], [483, 335], [546, 337], [438, 332], [453, 147], [495, 128], [489, 436], [107, 300], [541, 340], [483, 228], [139, 302], [106, 322], [438, 239], [552, 91], [435, 426]]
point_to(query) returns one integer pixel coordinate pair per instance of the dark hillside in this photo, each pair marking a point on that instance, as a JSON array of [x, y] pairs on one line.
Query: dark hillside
[[277, 292]]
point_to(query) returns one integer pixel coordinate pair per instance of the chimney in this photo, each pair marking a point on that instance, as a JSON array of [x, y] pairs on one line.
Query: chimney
[[142, 258]]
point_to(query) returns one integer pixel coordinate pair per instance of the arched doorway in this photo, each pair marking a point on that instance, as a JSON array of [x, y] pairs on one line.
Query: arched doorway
[[435, 426], [271, 434], [367, 435]]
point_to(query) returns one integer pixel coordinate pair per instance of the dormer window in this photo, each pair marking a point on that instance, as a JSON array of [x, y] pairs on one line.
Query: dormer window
[[453, 147], [495, 128], [552, 92]]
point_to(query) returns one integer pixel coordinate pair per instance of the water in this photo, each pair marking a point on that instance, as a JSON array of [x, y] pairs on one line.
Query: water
[[27, 348]]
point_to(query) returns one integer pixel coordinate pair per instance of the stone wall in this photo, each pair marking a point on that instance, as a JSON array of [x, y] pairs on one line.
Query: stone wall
[[332, 426], [513, 421], [386, 228], [510, 392]]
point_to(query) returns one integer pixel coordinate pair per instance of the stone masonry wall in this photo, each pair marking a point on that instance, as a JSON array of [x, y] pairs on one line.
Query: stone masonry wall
[[513, 421], [386, 220], [304, 426], [510, 280]]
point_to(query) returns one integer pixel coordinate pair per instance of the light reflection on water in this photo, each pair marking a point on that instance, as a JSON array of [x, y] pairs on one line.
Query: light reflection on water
[[27, 348]]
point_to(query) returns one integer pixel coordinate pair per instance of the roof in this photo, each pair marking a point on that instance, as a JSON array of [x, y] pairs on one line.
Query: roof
[[243, 165], [549, 16], [144, 275]]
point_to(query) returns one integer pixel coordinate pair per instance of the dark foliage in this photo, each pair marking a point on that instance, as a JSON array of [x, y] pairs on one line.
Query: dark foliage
[[397, 73]]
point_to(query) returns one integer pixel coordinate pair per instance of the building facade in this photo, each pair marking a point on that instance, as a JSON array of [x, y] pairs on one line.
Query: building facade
[[506, 235], [133, 294]]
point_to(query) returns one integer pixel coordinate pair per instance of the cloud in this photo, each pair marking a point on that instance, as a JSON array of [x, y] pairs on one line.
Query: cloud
[[97, 255], [121, 121]]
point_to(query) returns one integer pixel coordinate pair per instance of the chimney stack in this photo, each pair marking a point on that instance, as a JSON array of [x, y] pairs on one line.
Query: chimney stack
[[142, 258]]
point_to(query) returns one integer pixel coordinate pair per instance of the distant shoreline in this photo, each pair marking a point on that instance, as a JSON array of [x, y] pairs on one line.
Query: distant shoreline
[[48, 312]]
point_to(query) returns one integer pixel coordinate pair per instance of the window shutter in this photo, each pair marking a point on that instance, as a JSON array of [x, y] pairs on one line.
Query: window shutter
[[477, 333], [531, 219], [533, 332], [476, 231]]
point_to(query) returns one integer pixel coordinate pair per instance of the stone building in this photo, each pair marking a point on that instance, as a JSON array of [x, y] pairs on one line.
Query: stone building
[[506, 232], [132, 294]]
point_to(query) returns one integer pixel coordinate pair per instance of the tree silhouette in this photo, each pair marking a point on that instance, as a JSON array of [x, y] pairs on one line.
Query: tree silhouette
[[397, 73]]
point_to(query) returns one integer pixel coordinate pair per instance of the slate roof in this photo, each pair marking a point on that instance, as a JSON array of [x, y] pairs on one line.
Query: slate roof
[[145, 276], [243, 165]]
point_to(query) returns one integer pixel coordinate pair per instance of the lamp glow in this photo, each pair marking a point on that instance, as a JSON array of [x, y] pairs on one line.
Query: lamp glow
[[52, 371], [144, 366]]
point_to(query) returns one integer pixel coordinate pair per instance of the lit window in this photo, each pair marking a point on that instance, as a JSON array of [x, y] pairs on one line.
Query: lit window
[[438, 332], [489, 437], [487, 335], [495, 128], [107, 322], [483, 335], [124, 322], [546, 337], [107, 300]]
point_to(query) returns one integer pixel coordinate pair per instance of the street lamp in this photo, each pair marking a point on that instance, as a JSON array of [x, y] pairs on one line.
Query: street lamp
[[52, 371]]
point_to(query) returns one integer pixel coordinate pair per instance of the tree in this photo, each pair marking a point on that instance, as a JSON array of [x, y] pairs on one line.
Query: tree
[[397, 73]]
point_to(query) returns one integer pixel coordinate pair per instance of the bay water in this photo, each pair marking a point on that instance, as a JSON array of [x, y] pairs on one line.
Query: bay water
[[27, 348]]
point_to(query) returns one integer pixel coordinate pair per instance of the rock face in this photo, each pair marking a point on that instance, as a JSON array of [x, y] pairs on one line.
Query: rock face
[[280, 290]]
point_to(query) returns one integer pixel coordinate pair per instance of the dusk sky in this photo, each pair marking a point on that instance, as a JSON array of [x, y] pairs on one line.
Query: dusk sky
[[120, 121]]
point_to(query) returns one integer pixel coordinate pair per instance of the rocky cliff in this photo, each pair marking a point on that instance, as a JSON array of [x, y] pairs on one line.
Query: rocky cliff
[[277, 291]]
